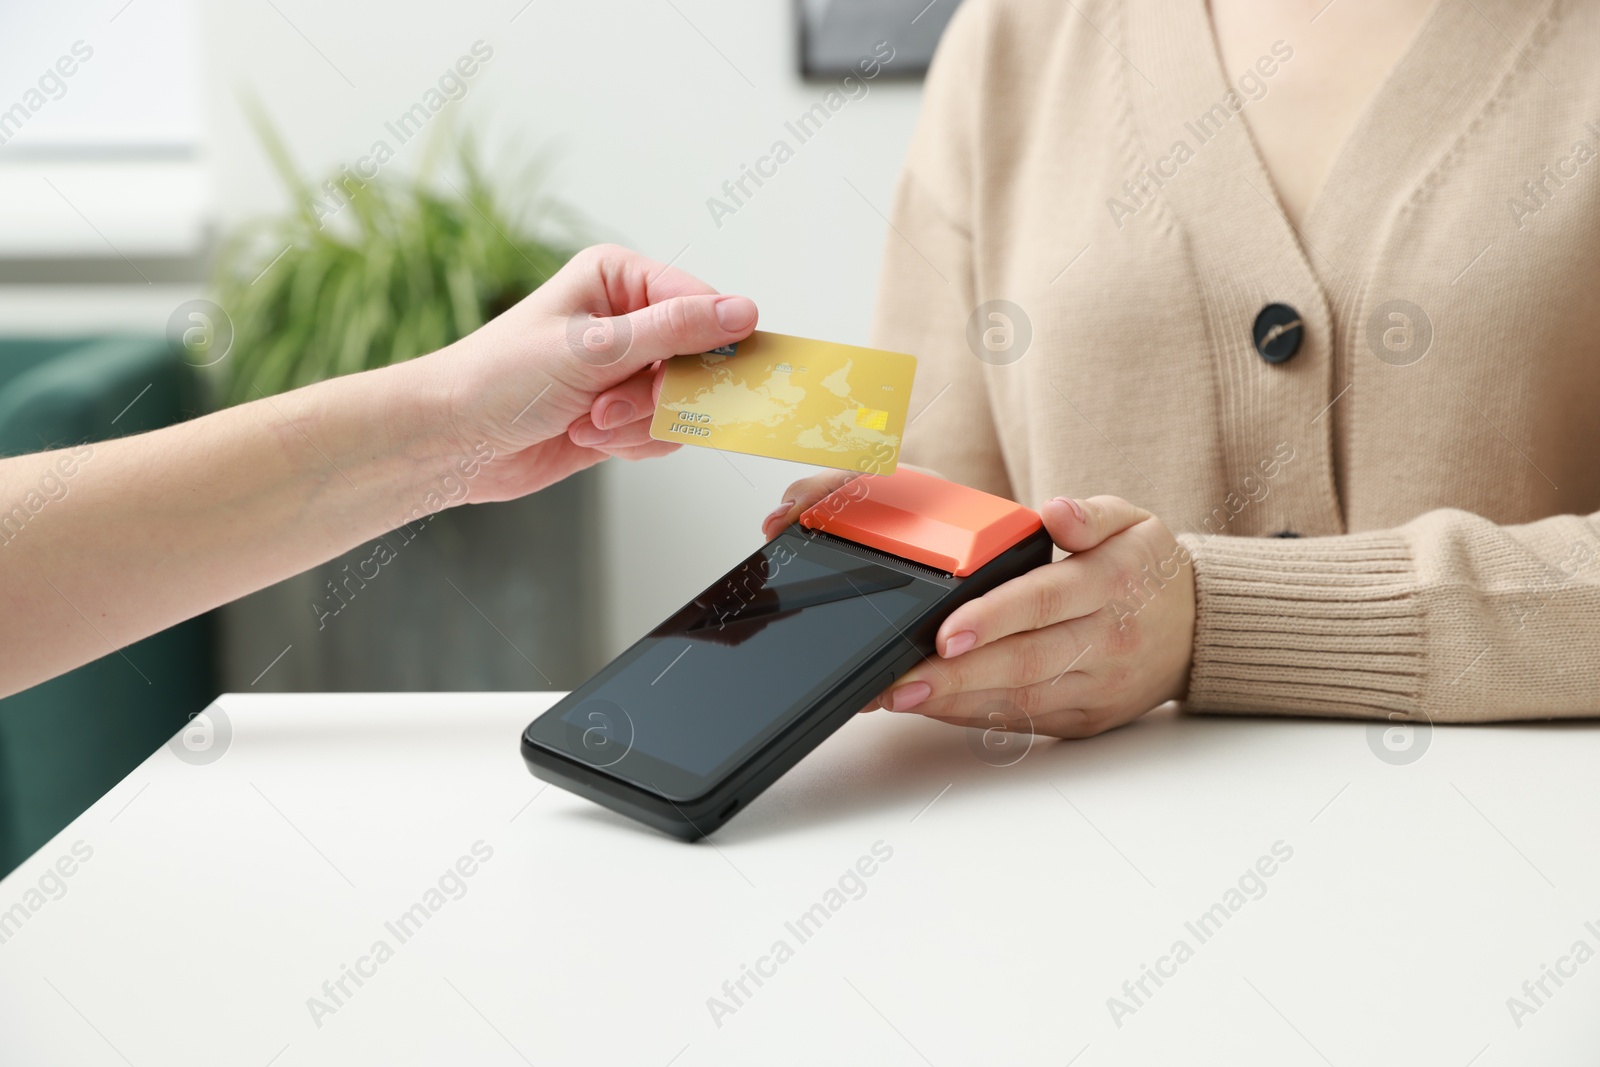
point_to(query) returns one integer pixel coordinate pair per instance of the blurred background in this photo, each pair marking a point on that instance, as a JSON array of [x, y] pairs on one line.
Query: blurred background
[[206, 202]]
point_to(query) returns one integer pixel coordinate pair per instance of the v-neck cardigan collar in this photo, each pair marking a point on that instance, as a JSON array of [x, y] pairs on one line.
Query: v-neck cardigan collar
[[1246, 253]]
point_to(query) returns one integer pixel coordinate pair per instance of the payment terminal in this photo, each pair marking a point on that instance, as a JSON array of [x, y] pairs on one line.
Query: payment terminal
[[692, 723]]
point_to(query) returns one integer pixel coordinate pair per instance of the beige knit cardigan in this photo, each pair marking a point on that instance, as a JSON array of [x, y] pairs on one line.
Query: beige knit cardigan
[[1433, 440]]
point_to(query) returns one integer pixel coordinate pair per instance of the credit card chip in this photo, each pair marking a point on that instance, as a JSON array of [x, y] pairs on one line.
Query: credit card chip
[[872, 419]]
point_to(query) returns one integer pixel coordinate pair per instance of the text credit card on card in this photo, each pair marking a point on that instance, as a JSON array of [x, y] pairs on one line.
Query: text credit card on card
[[790, 398]]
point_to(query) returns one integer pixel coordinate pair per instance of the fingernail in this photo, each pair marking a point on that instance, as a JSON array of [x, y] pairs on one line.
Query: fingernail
[[589, 435], [777, 513], [1077, 508], [961, 642], [909, 695], [736, 313], [618, 414]]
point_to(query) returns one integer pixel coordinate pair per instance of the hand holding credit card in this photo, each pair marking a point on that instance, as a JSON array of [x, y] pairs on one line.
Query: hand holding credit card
[[816, 402]]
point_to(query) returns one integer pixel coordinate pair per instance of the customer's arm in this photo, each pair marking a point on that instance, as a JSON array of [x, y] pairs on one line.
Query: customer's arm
[[103, 544]]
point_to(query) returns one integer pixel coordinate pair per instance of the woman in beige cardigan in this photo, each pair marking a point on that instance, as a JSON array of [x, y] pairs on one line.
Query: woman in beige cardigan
[[1317, 285]]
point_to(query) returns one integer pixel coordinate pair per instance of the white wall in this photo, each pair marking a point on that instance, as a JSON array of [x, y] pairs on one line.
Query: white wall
[[647, 106], [101, 127]]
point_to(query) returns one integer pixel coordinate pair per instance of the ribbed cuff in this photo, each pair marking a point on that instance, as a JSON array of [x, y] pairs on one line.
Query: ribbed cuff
[[1314, 626]]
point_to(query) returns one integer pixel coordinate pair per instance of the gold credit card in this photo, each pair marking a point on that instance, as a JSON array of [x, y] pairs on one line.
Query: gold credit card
[[790, 398]]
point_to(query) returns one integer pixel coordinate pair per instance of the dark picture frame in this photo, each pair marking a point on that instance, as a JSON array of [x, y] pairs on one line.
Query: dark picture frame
[[836, 35]]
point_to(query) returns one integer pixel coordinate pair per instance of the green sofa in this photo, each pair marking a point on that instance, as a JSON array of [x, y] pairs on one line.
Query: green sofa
[[65, 743]]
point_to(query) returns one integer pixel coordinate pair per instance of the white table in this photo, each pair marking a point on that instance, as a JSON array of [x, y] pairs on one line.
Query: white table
[[219, 897]]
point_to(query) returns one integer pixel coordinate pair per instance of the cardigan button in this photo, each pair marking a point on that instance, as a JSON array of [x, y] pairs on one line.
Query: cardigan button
[[1278, 332]]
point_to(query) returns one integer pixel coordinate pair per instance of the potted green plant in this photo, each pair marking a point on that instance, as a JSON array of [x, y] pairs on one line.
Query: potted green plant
[[367, 271], [363, 271]]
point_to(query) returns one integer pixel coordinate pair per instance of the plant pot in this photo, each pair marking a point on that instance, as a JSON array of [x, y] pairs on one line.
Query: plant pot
[[482, 597]]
